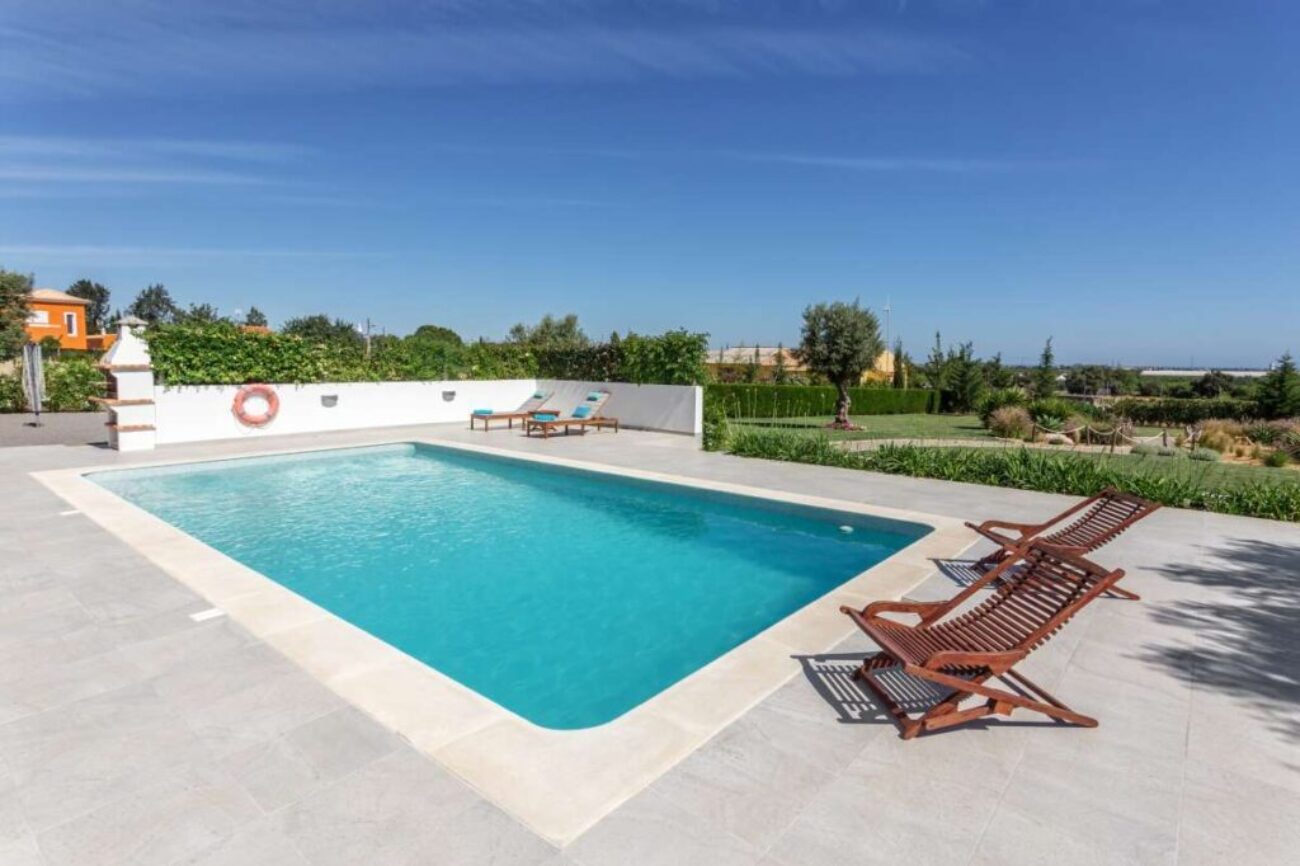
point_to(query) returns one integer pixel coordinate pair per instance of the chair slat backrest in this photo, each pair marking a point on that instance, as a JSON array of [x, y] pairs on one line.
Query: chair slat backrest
[[1032, 601], [1111, 513]]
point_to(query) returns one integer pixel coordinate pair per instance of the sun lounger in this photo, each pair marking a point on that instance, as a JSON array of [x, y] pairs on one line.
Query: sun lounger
[[525, 410], [959, 652], [584, 415], [1095, 522]]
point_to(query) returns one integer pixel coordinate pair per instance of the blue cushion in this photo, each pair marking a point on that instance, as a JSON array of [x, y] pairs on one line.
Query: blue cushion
[[482, 411], [594, 395], [544, 416], [582, 412]]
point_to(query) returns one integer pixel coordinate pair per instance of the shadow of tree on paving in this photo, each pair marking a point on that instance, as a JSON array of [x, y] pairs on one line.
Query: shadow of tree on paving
[[1247, 635]]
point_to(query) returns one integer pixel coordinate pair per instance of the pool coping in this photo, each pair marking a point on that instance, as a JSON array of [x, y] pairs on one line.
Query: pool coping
[[557, 782]]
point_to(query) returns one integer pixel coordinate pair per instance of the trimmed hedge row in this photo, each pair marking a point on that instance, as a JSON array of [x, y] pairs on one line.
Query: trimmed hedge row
[[222, 354], [1184, 411], [797, 401]]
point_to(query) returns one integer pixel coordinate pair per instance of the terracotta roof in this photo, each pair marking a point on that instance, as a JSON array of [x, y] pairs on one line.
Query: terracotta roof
[[54, 296]]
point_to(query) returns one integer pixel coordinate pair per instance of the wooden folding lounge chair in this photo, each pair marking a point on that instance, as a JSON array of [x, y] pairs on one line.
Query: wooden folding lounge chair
[[584, 415], [526, 410], [958, 652], [1095, 522]]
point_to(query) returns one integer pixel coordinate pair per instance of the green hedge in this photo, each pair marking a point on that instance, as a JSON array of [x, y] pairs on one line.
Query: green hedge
[[1175, 412], [1029, 469], [799, 401], [222, 354], [70, 382]]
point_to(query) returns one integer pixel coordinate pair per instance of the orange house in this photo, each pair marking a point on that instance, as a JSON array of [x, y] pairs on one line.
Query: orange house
[[57, 314]]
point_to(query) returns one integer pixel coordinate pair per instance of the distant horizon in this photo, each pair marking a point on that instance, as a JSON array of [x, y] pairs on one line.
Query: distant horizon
[[1118, 174]]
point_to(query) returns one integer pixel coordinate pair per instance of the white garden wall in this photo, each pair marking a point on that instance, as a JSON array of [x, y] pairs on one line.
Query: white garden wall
[[194, 413], [671, 408]]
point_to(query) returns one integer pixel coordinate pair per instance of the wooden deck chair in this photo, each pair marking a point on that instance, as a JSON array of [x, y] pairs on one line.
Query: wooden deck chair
[[960, 651], [1079, 530], [526, 410], [585, 414]]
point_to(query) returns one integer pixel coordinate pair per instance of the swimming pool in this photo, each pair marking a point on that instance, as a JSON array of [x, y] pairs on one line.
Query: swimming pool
[[567, 597]]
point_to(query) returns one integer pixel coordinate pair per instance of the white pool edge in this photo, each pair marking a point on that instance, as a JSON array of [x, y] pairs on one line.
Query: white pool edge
[[558, 783]]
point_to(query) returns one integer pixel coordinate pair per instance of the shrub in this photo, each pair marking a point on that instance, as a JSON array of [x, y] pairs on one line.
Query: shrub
[[1059, 409], [995, 400], [70, 383], [1205, 455], [1011, 422], [1219, 435], [11, 394], [717, 428], [796, 401], [1032, 469], [1168, 451], [1170, 413], [1145, 449], [1271, 432], [1277, 459]]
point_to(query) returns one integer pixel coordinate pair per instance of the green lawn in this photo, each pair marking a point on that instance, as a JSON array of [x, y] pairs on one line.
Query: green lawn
[[885, 426], [1214, 475], [894, 426]]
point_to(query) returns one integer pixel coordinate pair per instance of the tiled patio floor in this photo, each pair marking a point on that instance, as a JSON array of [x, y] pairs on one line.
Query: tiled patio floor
[[131, 734]]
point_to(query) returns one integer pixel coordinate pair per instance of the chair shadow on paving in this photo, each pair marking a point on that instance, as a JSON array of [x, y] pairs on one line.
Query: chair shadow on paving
[[831, 676], [1244, 633], [962, 572]]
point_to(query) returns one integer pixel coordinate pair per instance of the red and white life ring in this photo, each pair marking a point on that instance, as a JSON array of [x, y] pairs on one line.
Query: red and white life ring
[[267, 393]]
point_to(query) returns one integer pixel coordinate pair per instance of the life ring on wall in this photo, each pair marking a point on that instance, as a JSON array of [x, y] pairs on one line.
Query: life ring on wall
[[267, 393]]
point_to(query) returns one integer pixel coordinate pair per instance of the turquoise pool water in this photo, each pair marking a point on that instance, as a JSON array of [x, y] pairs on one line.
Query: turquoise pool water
[[567, 597]]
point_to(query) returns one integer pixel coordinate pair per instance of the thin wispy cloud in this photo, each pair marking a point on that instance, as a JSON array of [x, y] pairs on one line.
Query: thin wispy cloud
[[894, 164], [187, 47], [144, 253], [108, 175], [136, 148]]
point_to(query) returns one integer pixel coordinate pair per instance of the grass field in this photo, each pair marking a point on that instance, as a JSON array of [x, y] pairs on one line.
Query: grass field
[[1216, 475], [884, 426], [894, 426]]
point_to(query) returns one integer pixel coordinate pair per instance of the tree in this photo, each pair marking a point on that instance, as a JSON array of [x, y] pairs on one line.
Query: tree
[[841, 342], [780, 375], [1278, 391], [255, 318], [900, 366], [319, 328], [935, 365], [438, 334], [965, 379], [551, 333], [1212, 384], [1086, 379], [154, 304], [97, 311], [15, 289], [199, 314], [1043, 382], [750, 373], [996, 375]]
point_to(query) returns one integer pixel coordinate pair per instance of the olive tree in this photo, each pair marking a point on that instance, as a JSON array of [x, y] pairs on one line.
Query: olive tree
[[841, 342]]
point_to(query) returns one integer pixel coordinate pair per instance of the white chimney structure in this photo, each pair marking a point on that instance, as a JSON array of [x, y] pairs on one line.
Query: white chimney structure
[[130, 399]]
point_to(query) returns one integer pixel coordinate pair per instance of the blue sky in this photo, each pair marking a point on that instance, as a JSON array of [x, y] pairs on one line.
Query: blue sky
[[1119, 174]]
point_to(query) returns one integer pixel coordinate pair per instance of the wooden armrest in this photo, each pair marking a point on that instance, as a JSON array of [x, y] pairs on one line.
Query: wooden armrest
[[998, 662], [920, 608], [1022, 528]]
